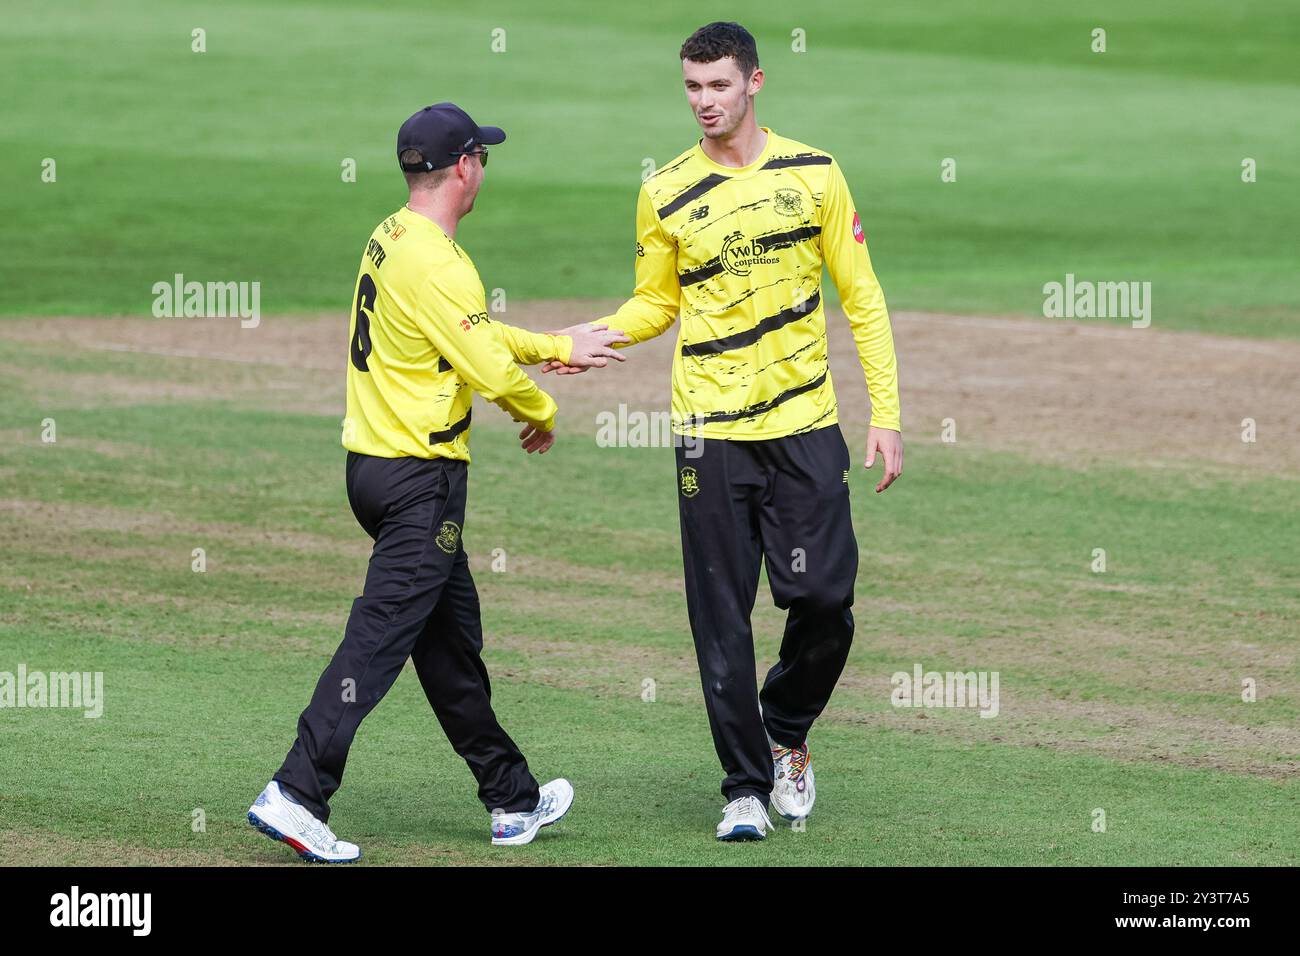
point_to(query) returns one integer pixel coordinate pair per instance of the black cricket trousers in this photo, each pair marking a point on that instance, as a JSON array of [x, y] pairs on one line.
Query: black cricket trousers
[[419, 602], [783, 501]]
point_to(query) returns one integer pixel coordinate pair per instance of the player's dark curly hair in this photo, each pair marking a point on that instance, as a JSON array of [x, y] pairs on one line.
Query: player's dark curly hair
[[720, 39]]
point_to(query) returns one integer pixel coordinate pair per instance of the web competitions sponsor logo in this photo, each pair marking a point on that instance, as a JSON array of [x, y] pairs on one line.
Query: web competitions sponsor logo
[[740, 255], [73, 909]]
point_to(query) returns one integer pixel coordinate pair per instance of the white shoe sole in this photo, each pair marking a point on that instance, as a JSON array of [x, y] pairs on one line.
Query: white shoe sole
[[278, 829], [742, 832]]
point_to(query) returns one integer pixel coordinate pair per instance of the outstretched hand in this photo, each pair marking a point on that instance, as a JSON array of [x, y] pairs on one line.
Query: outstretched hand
[[592, 347]]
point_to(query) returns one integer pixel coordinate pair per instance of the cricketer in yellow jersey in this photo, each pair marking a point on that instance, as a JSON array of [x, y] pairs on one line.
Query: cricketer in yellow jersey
[[732, 236], [422, 343]]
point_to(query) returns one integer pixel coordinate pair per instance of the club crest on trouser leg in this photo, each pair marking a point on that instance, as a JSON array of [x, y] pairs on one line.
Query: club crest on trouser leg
[[449, 537], [690, 482]]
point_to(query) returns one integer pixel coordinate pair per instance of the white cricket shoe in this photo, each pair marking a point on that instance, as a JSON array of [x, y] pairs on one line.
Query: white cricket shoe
[[290, 822], [516, 829], [744, 818], [793, 792]]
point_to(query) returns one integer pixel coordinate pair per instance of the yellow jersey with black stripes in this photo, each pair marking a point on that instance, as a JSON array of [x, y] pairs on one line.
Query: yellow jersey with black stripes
[[738, 252], [422, 343]]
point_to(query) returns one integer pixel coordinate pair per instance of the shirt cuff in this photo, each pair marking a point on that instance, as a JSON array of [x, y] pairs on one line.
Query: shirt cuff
[[563, 349]]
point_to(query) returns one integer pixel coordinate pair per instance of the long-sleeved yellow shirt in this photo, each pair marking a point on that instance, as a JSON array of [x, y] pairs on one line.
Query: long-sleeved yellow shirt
[[738, 253], [422, 343]]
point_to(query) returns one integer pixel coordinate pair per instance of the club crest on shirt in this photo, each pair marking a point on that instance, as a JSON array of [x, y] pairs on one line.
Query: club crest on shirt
[[788, 202], [858, 234], [690, 482], [448, 538]]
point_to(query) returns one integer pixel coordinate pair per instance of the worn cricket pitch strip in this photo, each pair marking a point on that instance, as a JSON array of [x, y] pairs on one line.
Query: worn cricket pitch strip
[[1052, 389]]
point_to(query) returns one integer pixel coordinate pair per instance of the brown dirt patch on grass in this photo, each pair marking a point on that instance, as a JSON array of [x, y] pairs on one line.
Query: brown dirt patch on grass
[[1054, 389]]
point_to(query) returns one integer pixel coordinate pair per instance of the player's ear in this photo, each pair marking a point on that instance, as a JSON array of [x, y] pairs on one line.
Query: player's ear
[[756, 81]]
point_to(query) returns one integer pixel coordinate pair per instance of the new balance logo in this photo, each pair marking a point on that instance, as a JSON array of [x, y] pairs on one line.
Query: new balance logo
[[699, 212]]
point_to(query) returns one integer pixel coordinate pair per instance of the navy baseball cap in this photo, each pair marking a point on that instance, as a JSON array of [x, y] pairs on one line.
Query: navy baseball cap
[[441, 133]]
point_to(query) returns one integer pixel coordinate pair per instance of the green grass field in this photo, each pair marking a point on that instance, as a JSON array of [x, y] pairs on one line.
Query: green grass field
[[1124, 165], [1120, 691]]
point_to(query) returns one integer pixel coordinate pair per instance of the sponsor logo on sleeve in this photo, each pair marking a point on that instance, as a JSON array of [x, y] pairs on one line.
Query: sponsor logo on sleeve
[[858, 234]]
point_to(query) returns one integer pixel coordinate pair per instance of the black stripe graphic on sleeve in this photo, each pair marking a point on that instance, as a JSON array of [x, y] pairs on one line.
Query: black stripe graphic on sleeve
[[803, 159], [777, 240], [760, 408], [770, 324], [691, 194], [447, 434]]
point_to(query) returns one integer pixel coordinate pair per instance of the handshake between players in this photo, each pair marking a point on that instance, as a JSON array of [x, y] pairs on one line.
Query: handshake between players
[[731, 239], [592, 348]]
